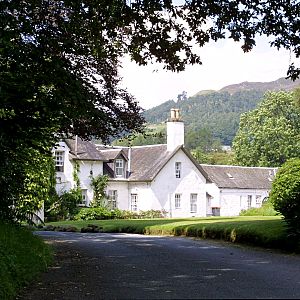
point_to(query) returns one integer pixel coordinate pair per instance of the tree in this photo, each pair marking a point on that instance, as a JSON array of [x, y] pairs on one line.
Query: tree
[[269, 135], [59, 63], [285, 195]]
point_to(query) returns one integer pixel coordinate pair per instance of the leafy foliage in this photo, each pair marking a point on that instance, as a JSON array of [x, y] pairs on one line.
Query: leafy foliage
[[213, 116], [270, 134], [103, 213], [23, 257], [266, 209], [59, 64], [99, 185], [285, 195]]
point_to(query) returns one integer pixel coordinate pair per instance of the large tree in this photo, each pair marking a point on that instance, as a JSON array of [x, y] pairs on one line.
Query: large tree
[[59, 62], [270, 134]]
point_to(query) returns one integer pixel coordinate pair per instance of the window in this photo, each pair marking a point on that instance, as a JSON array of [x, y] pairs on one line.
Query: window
[[134, 202], [112, 199], [84, 198], [59, 161], [119, 167], [177, 200], [258, 200], [177, 169], [249, 201], [193, 202]]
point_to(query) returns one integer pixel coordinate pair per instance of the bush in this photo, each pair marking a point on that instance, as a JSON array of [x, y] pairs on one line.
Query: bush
[[65, 206], [285, 195], [266, 209], [102, 213], [94, 213]]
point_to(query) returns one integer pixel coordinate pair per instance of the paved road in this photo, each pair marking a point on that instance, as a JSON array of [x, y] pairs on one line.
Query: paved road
[[125, 266]]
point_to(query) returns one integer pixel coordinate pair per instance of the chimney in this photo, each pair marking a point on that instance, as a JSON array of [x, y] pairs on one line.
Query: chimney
[[175, 130]]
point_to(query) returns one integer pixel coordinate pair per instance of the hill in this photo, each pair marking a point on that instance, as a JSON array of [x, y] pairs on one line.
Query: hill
[[219, 111]]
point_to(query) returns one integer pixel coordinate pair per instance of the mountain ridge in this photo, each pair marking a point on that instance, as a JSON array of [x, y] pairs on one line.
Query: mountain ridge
[[219, 111]]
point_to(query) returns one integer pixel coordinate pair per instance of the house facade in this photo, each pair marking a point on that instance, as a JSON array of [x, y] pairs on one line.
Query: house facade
[[160, 177], [234, 188]]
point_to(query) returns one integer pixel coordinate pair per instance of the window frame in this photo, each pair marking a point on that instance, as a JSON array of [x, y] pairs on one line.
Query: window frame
[[59, 158], [177, 201], [134, 202], [113, 198], [177, 169], [193, 202], [118, 168], [249, 201], [83, 202]]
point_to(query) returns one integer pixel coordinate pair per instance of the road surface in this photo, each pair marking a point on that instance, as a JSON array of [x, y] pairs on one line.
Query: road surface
[[127, 266]]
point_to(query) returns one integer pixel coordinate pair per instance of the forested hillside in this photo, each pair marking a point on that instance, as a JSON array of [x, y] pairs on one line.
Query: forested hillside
[[218, 111]]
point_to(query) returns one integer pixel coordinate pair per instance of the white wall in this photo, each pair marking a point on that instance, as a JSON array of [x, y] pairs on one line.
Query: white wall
[[65, 180], [232, 201], [160, 193], [166, 185], [86, 169]]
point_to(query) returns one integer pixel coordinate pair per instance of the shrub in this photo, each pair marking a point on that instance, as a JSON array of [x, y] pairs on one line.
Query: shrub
[[285, 195], [94, 213], [266, 209], [66, 206], [102, 213]]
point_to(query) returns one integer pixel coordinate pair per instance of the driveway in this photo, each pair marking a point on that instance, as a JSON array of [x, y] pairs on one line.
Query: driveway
[[127, 266]]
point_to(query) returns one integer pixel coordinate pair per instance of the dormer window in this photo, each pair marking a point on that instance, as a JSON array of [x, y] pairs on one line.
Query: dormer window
[[59, 161], [119, 167]]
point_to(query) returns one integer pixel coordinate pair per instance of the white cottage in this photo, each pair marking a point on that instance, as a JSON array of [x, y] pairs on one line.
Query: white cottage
[[234, 188], [161, 177]]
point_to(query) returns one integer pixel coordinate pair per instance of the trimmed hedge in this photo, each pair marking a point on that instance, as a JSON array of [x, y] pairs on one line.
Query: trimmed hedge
[[102, 213]]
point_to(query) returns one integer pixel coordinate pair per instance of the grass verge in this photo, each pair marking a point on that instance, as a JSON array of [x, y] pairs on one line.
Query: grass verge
[[22, 257], [260, 231]]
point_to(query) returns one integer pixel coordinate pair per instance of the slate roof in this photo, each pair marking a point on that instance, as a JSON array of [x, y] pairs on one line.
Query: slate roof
[[85, 150], [237, 177], [111, 154], [147, 161]]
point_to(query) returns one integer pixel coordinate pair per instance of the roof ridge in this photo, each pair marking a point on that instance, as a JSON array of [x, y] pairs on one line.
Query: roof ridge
[[233, 166]]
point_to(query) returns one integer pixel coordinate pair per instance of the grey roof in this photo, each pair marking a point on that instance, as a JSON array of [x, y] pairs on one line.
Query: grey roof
[[237, 177], [85, 150], [147, 161], [111, 154]]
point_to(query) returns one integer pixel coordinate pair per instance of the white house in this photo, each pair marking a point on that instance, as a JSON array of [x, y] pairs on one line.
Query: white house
[[234, 188], [161, 177]]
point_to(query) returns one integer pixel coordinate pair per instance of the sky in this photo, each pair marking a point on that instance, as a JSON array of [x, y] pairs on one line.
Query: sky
[[224, 63]]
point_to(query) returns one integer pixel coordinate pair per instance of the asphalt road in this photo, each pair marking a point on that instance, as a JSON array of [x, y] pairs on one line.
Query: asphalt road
[[126, 266]]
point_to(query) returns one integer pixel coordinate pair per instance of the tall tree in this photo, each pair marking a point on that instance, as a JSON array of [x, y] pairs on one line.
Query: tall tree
[[59, 62], [270, 134]]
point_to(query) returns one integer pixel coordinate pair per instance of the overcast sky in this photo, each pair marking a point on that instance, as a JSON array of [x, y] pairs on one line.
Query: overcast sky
[[224, 63]]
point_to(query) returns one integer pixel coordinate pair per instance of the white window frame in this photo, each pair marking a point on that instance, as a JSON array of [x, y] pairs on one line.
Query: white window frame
[[59, 160], [134, 202], [178, 169], [113, 199], [119, 167], [258, 200], [193, 202], [249, 201], [84, 198], [177, 198]]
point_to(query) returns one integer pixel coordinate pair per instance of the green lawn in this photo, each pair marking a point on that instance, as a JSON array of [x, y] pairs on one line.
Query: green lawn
[[255, 230]]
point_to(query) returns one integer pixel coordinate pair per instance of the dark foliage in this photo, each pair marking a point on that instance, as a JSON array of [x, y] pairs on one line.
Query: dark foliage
[[59, 61]]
